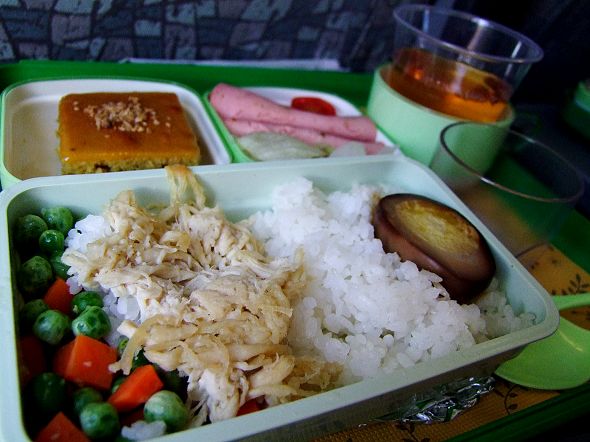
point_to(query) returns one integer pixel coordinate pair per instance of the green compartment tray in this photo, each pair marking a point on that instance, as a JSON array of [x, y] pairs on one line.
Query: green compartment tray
[[240, 190], [283, 96], [353, 87], [573, 240], [577, 110]]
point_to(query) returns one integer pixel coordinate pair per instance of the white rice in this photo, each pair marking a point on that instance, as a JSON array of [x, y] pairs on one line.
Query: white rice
[[365, 308], [142, 430], [87, 230]]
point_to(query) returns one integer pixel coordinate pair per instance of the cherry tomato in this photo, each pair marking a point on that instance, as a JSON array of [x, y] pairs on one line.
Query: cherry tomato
[[313, 104]]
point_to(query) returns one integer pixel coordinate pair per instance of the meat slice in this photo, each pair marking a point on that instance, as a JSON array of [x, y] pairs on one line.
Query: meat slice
[[239, 128], [236, 103]]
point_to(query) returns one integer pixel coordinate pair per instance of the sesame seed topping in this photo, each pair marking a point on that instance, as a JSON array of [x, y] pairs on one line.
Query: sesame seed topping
[[124, 116]]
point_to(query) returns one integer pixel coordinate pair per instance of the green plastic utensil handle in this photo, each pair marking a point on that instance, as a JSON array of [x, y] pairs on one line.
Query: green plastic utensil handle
[[571, 301]]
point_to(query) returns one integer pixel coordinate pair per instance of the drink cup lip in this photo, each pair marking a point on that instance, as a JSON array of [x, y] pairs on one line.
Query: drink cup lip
[[562, 200], [536, 51]]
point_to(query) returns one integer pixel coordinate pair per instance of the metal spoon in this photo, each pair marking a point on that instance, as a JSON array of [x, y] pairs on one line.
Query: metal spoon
[[557, 362]]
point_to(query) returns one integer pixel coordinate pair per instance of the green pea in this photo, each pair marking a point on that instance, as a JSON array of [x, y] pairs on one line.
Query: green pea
[[35, 276], [48, 392], [84, 396], [92, 322], [123, 341], [117, 383], [51, 241], [51, 326], [59, 268], [27, 231], [83, 300], [139, 359], [100, 420], [30, 311], [168, 407], [58, 218]]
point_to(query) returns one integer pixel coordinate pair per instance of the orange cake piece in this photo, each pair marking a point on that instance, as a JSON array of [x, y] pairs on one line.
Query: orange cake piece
[[114, 131]]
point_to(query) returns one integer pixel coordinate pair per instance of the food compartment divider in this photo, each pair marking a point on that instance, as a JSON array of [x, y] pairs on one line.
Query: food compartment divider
[[241, 189]]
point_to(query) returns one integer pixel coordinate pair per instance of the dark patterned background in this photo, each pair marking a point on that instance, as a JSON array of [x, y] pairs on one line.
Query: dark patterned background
[[356, 34]]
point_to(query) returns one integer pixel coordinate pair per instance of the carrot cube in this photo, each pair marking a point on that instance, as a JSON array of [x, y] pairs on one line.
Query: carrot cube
[[141, 384], [85, 361], [61, 429]]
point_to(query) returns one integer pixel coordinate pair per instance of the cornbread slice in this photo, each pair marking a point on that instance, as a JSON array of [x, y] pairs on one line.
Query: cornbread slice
[[112, 131]]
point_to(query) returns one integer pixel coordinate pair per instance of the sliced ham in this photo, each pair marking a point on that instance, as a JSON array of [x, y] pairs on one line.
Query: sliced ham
[[240, 104], [239, 128]]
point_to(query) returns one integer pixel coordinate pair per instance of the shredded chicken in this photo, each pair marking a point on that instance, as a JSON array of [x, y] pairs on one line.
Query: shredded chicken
[[211, 303]]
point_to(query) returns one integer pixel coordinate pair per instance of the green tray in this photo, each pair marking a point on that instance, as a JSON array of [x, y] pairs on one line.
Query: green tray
[[533, 422], [573, 240], [237, 154], [353, 87]]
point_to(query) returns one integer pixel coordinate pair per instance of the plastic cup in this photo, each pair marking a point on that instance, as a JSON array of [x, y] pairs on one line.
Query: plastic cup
[[457, 63], [446, 66], [520, 188]]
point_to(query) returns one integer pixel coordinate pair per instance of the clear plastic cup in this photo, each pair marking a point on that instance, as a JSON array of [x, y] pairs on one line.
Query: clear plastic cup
[[457, 63], [520, 188]]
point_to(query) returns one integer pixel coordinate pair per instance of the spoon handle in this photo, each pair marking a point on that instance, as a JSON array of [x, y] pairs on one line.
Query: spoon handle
[[564, 302]]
